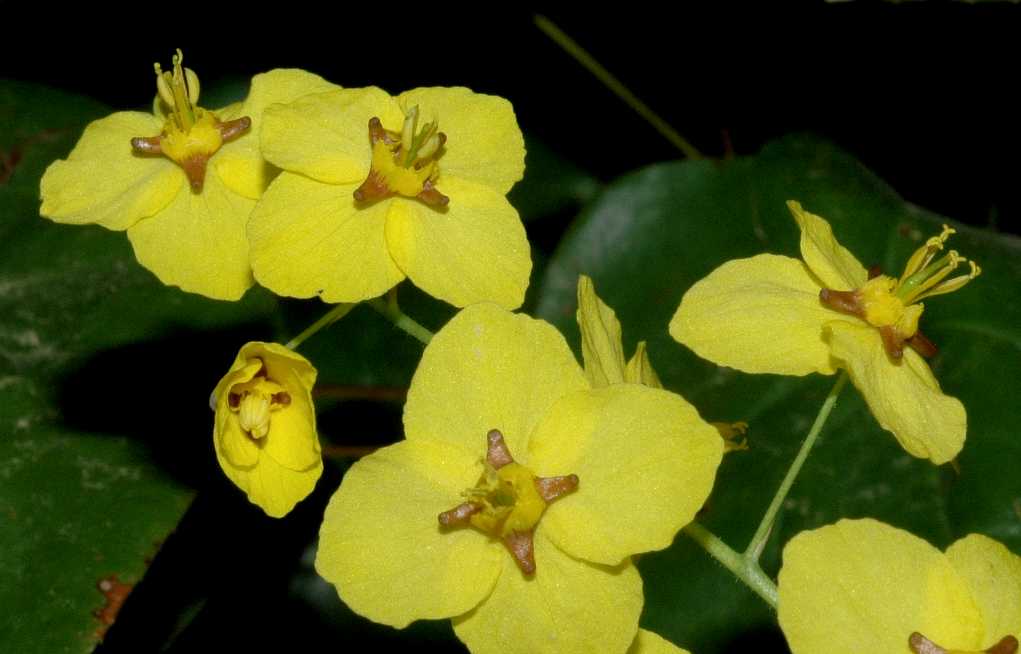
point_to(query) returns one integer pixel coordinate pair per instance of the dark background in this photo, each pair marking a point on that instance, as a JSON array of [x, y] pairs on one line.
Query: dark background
[[921, 93]]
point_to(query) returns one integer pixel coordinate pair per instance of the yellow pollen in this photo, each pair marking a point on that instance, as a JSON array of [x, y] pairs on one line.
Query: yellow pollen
[[509, 499]]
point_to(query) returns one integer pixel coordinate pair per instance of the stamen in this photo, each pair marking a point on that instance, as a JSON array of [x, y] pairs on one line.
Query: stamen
[[919, 644], [497, 454], [408, 132], [508, 501], [522, 548]]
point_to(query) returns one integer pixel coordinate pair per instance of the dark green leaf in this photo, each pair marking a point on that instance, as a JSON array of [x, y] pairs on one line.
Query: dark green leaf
[[652, 234]]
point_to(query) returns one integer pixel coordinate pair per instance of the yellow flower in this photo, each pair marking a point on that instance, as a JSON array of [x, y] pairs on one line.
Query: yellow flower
[[864, 586], [265, 427], [602, 351], [775, 314], [181, 180], [374, 191], [544, 487], [601, 346]]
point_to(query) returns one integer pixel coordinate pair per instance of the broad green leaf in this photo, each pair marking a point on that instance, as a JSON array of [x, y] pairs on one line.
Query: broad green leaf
[[649, 236]]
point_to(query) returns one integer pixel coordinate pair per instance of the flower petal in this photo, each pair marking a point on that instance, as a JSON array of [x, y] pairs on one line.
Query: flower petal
[[310, 239], [830, 261], [864, 586], [240, 164], [293, 441], [472, 250], [904, 397], [272, 486], [489, 369], [645, 463], [639, 368], [233, 448], [601, 347], [326, 136], [758, 315], [647, 642], [198, 242], [103, 182], [381, 544], [568, 606], [993, 573], [484, 142]]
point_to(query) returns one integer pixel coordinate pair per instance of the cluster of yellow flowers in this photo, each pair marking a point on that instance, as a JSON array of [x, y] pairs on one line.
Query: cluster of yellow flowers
[[525, 483]]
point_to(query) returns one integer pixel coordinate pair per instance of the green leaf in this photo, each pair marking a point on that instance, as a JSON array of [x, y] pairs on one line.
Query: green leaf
[[104, 383], [649, 236]]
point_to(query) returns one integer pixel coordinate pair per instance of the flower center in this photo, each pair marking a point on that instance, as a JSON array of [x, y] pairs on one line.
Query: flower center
[[919, 644], [255, 401], [404, 163], [508, 501], [890, 304], [191, 134]]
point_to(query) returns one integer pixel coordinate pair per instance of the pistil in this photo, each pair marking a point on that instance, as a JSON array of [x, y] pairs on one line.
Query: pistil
[[508, 501]]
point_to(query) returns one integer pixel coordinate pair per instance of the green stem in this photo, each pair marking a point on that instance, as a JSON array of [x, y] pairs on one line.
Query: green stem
[[743, 567], [754, 550], [394, 314], [616, 86], [331, 316]]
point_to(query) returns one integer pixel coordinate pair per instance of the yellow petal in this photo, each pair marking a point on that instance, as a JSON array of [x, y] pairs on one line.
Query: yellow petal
[[103, 182], [489, 369], [310, 239], [198, 242], [993, 574], [830, 261], [904, 397], [281, 361], [273, 487], [282, 468], [645, 463], [601, 347], [484, 143], [647, 642], [639, 369], [326, 136], [239, 163], [758, 315], [864, 586], [473, 250], [381, 544], [567, 607], [233, 448]]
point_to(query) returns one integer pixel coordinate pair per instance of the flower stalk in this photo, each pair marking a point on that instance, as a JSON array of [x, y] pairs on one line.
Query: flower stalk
[[328, 318], [758, 542]]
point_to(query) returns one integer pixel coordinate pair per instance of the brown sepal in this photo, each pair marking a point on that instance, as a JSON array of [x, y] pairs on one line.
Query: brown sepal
[[460, 515], [553, 488], [521, 547], [497, 454]]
